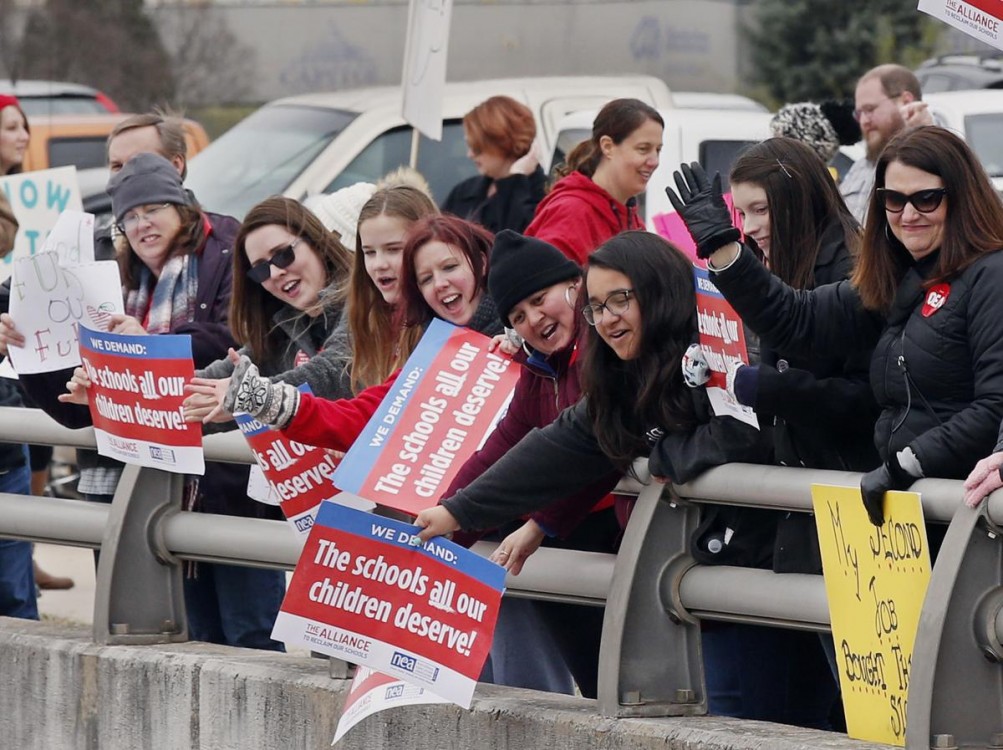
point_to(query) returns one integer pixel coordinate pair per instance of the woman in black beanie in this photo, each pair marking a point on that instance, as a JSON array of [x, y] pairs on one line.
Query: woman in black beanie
[[535, 288]]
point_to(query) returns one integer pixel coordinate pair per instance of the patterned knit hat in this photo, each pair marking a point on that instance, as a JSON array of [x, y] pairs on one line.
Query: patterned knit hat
[[805, 122]]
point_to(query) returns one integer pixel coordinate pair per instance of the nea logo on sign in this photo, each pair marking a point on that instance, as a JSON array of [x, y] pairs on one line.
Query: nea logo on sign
[[936, 298]]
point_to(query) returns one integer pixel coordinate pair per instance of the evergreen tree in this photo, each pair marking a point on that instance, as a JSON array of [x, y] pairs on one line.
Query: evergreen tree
[[817, 49]]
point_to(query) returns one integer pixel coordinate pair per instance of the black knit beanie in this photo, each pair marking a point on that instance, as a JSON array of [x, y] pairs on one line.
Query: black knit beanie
[[521, 266]]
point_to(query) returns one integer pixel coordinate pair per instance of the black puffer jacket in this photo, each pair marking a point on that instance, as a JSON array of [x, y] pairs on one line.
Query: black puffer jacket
[[822, 405], [937, 367], [511, 207]]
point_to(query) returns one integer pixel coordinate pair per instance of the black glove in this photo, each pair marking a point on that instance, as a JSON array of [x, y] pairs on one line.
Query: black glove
[[874, 484], [702, 207]]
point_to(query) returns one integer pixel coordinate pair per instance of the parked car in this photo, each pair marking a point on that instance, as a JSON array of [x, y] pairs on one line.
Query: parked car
[[80, 140], [713, 137], [318, 143], [977, 116], [961, 72], [45, 98]]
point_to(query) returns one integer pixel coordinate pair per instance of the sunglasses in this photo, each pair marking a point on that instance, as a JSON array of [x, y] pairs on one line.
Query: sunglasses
[[282, 258], [923, 201]]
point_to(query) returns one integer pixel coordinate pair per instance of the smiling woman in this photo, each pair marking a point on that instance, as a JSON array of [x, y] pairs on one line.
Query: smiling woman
[[924, 293], [595, 199], [14, 135]]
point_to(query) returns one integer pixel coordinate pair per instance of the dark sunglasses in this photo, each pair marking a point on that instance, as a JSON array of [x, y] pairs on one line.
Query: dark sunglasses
[[281, 258], [923, 201]]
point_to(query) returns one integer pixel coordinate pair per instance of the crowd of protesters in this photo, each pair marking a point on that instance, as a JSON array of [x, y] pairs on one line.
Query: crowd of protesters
[[879, 351]]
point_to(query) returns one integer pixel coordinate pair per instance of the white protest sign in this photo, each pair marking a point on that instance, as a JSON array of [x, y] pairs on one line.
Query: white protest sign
[[48, 302], [372, 692], [980, 19], [72, 238], [424, 79], [37, 199]]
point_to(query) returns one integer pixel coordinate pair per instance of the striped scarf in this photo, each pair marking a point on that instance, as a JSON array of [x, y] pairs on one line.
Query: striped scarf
[[173, 295]]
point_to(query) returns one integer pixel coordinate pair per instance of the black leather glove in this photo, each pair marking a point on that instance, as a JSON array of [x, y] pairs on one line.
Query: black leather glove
[[701, 206], [874, 484]]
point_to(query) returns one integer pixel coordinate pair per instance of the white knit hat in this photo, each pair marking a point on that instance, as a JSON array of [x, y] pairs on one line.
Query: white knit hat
[[339, 211]]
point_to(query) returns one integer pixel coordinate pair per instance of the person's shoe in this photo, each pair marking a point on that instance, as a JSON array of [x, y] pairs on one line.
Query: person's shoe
[[49, 582]]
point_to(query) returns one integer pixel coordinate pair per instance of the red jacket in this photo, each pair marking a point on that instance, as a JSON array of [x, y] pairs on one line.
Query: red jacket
[[545, 388], [577, 216], [336, 424]]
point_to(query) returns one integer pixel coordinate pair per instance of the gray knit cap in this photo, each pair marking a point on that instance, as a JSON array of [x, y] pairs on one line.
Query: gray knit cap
[[145, 179]]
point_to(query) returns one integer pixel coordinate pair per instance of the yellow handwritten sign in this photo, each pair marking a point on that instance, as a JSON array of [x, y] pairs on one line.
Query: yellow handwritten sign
[[875, 579]]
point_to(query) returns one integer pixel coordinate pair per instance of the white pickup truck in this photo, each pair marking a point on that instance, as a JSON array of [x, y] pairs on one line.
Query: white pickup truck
[[317, 143]]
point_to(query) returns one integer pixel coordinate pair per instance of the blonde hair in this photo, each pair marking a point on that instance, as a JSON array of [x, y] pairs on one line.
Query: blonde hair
[[379, 344]]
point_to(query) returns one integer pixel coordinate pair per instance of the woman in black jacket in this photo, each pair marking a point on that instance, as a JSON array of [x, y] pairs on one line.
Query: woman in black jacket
[[924, 294], [821, 405], [641, 308], [499, 134]]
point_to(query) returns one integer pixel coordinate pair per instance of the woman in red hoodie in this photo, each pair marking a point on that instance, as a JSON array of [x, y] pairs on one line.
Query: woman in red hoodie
[[594, 200]]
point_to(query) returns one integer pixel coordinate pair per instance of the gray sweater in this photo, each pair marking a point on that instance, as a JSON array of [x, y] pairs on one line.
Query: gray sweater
[[327, 369]]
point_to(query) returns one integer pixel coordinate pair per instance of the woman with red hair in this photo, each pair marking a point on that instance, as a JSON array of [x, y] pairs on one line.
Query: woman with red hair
[[499, 134]]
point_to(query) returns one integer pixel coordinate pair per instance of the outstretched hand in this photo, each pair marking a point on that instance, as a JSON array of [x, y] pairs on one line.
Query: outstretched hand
[[205, 404], [516, 548], [700, 204]]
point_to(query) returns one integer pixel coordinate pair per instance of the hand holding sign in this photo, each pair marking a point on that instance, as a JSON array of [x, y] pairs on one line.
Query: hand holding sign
[[76, 388], [9, 335], [435, 522], [205, 404]]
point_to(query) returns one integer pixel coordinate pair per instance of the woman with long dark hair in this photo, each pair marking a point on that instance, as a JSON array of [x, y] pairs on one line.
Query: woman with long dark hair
[[924, 295]]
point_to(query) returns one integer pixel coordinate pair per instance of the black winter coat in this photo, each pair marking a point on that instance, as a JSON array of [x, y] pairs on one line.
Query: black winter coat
[[525, 479], [511, 207], [937, 366], [822, 406]]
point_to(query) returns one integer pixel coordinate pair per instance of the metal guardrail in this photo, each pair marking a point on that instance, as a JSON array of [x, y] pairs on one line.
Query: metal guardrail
[[654, 593]]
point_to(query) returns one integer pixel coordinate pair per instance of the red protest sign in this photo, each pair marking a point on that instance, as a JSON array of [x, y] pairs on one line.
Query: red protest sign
[[447, 399], [136, 395], [362, 592]]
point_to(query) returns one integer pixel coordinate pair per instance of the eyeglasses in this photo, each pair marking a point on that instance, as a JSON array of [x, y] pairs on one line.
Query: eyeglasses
[[870, 109], [617, 303], [282, 258], [924, 201], [132, 219]]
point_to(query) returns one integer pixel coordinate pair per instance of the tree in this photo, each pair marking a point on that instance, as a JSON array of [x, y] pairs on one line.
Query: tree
[[817, 49], [210, 64], [109, 44]]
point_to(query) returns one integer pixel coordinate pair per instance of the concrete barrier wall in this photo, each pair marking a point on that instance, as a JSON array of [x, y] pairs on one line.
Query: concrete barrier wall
[[59, 691]]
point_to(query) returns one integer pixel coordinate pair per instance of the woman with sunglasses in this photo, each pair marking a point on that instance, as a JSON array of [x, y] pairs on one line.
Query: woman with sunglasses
[[924, 294], [290, 278]]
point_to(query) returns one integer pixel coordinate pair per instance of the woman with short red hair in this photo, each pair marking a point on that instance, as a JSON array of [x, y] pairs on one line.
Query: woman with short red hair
[[499, 134]]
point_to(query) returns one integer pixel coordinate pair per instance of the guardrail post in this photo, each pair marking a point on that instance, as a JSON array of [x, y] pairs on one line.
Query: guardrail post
[[650, 663], [956, 684], [140, 596]]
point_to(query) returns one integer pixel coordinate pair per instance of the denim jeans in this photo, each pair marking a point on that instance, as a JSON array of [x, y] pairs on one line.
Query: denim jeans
[[233, 605], [768, 674], [17, 579]]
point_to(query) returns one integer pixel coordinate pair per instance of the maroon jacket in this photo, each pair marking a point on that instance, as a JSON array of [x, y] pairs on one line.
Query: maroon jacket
[[545, 388]]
